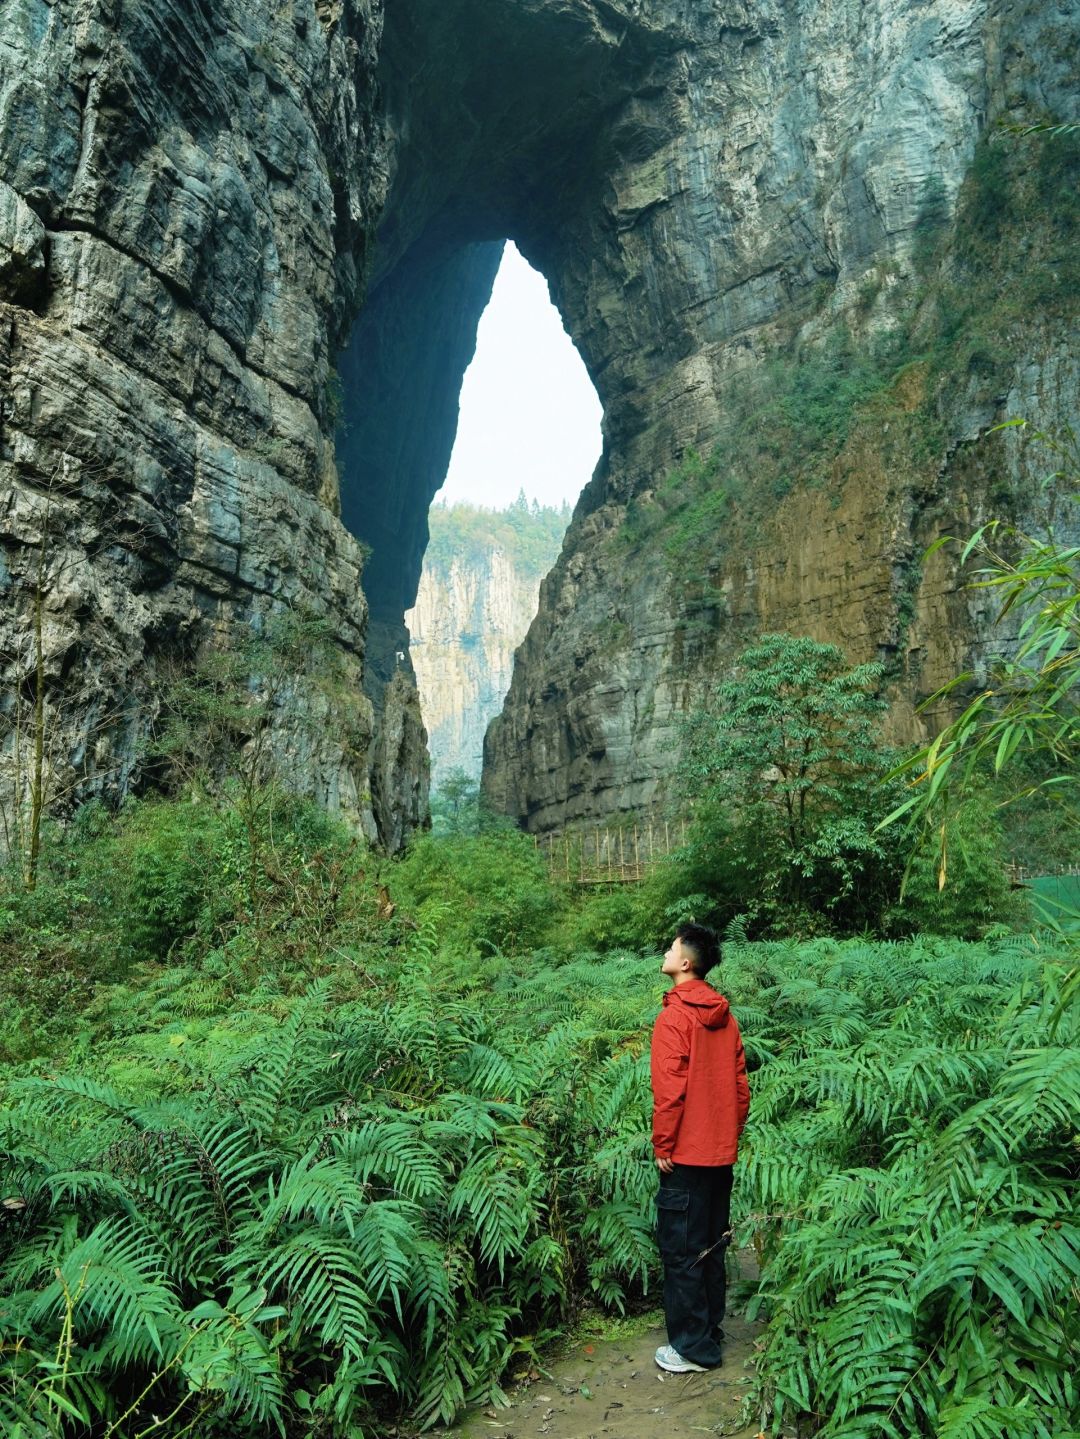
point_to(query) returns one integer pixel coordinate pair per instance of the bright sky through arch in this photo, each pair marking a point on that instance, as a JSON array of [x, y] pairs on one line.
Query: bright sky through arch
[[529, 416]]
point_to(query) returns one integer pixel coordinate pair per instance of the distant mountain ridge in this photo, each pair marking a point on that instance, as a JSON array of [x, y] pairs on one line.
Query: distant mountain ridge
[[478, 594]]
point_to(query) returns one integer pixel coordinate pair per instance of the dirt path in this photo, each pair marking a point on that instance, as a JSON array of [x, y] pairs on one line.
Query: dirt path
[[612, 1389]]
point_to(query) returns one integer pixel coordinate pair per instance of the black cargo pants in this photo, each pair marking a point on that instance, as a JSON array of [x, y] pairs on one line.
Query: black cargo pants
[[693, 1211]]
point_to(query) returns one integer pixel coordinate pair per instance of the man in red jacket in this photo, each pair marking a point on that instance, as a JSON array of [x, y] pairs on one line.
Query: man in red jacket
[[700, 1103]]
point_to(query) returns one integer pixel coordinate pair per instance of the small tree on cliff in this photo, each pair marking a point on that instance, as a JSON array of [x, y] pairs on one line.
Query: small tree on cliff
[[782, 771]]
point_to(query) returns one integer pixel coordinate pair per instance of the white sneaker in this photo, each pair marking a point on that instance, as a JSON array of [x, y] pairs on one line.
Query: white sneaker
[[671, 1360]]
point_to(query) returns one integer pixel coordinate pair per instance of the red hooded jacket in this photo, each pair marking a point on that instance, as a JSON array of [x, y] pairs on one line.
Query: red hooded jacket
[[700, 1094]]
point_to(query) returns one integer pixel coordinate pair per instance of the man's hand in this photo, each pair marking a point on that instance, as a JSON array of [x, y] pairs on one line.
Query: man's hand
[[665, 1165]]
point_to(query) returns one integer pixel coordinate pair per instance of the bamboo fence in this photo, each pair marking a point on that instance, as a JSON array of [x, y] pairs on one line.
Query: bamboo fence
[[622, 854], [616, 854]]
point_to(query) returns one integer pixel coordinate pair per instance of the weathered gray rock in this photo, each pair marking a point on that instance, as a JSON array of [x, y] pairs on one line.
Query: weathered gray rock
[[22, 247], [399, 770], [713, 192], [406, 356], [469, 617], [189, 198]]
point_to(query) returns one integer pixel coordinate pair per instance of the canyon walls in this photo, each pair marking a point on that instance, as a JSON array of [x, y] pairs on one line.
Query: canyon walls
[[243, 251], [477, 597], [807, 271]]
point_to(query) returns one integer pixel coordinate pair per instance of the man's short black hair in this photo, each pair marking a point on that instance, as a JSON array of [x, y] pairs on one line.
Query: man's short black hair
[[702, 941]]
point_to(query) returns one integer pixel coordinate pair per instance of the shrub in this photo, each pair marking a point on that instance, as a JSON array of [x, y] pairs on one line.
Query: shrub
[[612, 917], [338, 1214], [177, 881], [487, 892], [977, 894]]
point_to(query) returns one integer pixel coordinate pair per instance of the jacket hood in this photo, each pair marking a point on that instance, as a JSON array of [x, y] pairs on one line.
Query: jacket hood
[[702, 1001]]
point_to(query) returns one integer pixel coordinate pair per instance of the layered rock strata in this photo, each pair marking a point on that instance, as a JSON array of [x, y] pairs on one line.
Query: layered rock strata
[[716, 194], [729, 202], [468, 619], [188, 201]]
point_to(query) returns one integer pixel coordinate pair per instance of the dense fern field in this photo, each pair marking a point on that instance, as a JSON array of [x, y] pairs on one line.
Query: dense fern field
[[324, 1170], [910, 1182]]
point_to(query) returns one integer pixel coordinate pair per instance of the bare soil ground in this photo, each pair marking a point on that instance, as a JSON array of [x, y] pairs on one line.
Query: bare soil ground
[[612, 1389]]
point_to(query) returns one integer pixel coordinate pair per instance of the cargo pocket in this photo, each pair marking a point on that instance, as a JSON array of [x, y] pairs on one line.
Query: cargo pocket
[[672, 1211]]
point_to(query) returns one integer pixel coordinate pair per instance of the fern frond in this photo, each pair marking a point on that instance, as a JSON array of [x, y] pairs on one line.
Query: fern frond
[[115, 1281], [393, 1151], [316, 1275]]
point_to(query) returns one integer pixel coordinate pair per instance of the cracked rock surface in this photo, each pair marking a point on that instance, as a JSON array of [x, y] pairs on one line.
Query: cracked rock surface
[[725, 200], [187, 200], [243, 252]]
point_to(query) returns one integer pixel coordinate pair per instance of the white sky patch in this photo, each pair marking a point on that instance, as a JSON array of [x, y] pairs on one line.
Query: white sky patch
[[529, 416]]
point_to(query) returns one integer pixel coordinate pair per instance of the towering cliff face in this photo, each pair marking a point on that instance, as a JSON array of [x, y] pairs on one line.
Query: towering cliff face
[[188, 198], [463, 631], [729, 204]]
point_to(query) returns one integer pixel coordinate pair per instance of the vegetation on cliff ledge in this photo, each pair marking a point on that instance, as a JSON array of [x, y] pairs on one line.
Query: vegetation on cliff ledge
[[936, 337], [528, 534]]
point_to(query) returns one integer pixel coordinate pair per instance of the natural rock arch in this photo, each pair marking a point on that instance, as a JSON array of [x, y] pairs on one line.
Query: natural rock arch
[[508, 140], [194, 200], [704, 193]]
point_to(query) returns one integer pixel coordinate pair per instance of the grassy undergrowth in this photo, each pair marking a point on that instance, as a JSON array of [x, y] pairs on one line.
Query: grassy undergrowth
[[293, 1152]]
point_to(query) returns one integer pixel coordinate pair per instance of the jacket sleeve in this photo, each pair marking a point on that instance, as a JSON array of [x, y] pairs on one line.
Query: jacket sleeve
[[742, 1088], [669, 1064]]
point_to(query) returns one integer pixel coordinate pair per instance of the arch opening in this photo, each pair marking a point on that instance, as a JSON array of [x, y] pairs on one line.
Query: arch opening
[[517, 137], [528, 439], [481, 151]]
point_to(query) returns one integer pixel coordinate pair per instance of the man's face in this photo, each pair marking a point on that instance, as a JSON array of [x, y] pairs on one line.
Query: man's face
[[678, 960]]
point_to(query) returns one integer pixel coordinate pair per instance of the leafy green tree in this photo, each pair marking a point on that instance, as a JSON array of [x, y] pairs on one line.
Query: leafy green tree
[[454, 805], [782, 772]]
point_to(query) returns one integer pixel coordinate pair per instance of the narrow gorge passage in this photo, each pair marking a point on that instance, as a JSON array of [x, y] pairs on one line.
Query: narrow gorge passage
[[527, 441]]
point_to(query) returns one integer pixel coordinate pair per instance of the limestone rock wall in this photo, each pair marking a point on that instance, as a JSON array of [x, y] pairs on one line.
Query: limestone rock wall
[[717, 195], [188, 199], [406, 357], [772, 191], [739, 210]]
